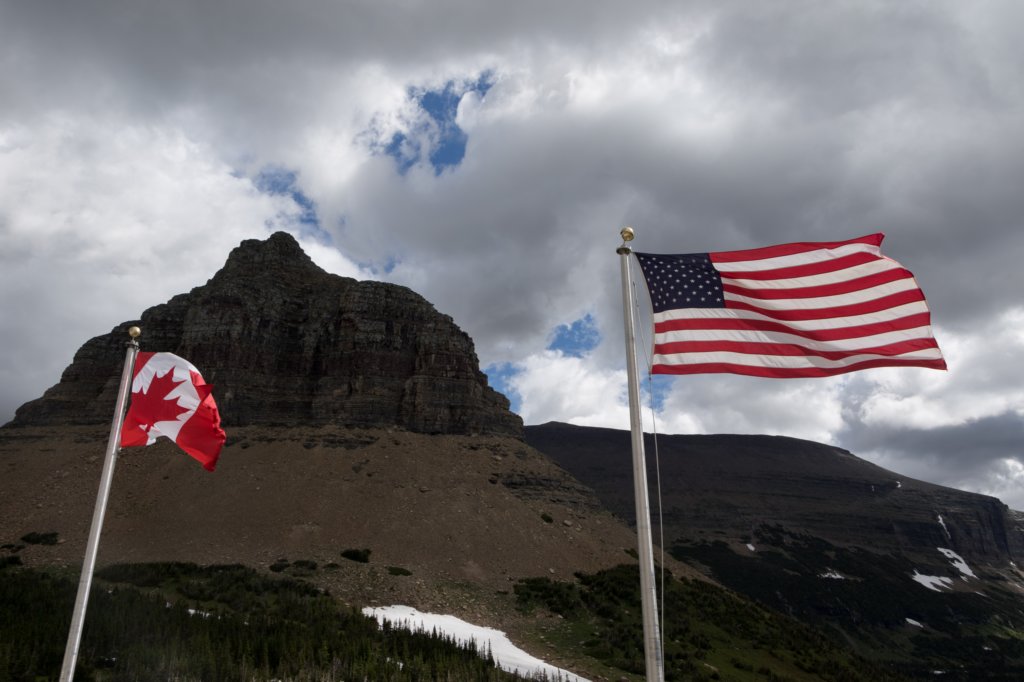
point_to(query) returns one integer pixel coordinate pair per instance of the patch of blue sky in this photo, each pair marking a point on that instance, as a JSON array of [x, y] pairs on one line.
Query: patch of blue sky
[[499, 376], [281, 181], [576, 338], [436, 131], [385, 268], [654, 388], [405, 152]]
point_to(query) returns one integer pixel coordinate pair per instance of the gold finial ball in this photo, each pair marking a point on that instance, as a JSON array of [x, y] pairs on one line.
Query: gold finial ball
[[134, 332], [627, 234]]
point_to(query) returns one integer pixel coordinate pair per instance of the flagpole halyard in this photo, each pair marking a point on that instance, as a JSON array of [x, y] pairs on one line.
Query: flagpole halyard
[[654, 662], [67, 672]]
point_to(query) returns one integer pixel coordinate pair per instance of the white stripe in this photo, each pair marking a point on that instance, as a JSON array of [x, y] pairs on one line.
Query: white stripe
[[787, 361], [828, 301], [887, 315], [817, 256], [844, 275], [743, 336]]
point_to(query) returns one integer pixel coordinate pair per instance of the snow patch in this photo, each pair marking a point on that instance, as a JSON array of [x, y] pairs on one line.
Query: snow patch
[[832, 573], [914, 623], [944, 529], [899, 484], [751, 547], [508, 657], [958, 562], [933, 582]]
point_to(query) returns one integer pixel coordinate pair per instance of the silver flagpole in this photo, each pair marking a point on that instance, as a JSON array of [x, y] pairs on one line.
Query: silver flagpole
[[648, 591], [67, 671]]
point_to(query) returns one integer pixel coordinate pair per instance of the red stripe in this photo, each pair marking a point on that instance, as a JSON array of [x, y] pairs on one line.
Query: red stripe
[[790, 372], [806, 270], [833, 289], [742, 323], [141, 358], [865, 308], [788, 349], [790, 249]]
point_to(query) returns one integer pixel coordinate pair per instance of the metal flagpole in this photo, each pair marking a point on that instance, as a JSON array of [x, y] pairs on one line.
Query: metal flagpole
[[648, 591], [67, 671]]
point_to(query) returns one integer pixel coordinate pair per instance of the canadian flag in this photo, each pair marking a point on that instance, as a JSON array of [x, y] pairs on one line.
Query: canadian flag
[[170, 398]]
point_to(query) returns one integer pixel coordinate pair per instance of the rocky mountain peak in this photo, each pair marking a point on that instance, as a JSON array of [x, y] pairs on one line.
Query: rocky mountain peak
[[277, 257], [286, 343]]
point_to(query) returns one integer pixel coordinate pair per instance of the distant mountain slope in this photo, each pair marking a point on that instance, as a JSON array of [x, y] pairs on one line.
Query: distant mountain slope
[[730, 485]]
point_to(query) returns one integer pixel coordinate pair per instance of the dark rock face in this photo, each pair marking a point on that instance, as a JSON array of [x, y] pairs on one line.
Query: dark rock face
[[286, 343], [730, 486]]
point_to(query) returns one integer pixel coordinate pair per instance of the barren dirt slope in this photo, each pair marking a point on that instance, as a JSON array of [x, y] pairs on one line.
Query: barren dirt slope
[[463, 515]]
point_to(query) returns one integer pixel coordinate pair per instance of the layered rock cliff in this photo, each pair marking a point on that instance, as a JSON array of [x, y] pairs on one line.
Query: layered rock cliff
[[286, 343]]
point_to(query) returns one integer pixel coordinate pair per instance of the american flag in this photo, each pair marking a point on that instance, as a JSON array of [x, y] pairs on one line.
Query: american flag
[[808, 309]]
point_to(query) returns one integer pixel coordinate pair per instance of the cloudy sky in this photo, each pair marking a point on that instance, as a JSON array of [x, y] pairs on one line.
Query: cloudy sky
[[487, 154]]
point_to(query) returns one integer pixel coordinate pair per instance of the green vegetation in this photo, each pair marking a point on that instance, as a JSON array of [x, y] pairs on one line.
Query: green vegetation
[[962, 633], [300, 568], [226, 623], [35, 538], [360, 555], [186, 622], [710, 633]]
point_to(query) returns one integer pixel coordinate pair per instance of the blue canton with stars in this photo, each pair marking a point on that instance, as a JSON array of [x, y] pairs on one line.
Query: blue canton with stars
[[681, 281]]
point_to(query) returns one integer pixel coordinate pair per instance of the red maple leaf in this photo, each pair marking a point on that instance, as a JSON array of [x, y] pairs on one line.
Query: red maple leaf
[[151, 407]]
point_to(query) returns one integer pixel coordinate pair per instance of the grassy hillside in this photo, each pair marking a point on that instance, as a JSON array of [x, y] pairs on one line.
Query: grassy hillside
[[710, 633], [186, 622], [225, 623], [968, 629]]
